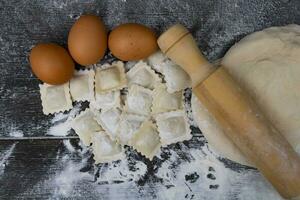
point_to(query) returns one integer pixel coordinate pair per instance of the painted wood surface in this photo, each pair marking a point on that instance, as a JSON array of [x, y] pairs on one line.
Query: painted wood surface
[[31, 169]]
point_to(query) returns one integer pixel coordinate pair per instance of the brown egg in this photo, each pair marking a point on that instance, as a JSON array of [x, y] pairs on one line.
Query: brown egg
[[51, 63], [87, 41], [132, 42]]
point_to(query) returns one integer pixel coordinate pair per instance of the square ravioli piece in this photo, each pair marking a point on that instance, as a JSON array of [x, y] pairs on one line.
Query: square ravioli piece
[[142, 74], [82, 85], [176, 78], [139, 100], [104, 149], [146, 140], [128, 126], [109, 120], [156, 60], [111, 78], [107, 100], [173, 127], [163, 101], [55, 98], [85, 125]]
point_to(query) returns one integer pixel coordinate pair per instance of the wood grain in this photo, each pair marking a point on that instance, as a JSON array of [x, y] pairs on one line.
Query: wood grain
[[244, 123], [216, 25]]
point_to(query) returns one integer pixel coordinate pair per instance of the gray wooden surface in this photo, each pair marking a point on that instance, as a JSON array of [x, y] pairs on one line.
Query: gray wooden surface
[[215, 24]]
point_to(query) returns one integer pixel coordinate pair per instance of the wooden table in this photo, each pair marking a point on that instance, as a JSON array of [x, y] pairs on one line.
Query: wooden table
[[26, 164]]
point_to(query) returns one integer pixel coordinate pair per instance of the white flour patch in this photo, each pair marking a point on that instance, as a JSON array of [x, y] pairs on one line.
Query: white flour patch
[[14, 132], [17, 133], [60, 129], [65, 181], [62, 122], [205, 177], [187, 173], [69, 146], [120, 172], [4, 156]]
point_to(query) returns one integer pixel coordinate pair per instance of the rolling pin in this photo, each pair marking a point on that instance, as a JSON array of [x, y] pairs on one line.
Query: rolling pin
[[239, 116]]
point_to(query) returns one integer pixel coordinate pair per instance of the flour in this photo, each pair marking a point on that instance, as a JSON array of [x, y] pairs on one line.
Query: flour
[[65, 180], [186, 173], [69, 146], [62, 122], [14, 132], [120, 172], [5, 156]]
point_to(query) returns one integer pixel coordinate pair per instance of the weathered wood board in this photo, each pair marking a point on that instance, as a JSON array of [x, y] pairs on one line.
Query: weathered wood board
[[31, 169]]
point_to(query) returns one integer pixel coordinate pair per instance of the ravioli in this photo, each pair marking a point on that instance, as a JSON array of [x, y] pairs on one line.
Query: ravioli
[[139, 100], [82, 85], [109, 120], [85, 125], [173, 127], [55, 98], [107, 100], [111, 78], [129, 124], [146, 140], [142, 74], [104, 149], [163, 101]]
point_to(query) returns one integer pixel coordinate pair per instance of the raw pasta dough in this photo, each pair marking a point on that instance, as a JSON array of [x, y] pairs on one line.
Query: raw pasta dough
[[267, 65], [146, 140], [176, 78], [107, 100], [55, 98], [109, 120], [163, 101], [139, 100], [111, 78], [173, 127], [142, 74], [85, 125], [128, 126], [156, 60], [82, 85], [105, 149]]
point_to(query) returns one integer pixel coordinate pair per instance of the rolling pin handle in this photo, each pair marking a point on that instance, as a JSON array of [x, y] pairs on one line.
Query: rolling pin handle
[[191, 59], [236, 112]]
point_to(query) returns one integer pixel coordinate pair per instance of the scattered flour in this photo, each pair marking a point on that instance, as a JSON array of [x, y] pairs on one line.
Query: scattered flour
[[16, 133], [4, 156], [62, 122], [120, 172], [60, 129], [205, 177], [69, 146], [187, 173], [65, 180]]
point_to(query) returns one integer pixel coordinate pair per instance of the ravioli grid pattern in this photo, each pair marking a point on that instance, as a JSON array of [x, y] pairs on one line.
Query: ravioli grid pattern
[[118, 123]]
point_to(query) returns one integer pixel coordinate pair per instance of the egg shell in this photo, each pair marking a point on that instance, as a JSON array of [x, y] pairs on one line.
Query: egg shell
[[87, 40], [51, 63], [132, 41]]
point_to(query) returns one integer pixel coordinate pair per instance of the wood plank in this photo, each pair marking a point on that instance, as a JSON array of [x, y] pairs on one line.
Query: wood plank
[[61, 169], [29, 168], [215, 24]]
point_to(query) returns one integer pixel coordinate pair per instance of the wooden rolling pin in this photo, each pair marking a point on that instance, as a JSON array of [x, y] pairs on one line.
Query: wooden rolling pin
[[239, 116]]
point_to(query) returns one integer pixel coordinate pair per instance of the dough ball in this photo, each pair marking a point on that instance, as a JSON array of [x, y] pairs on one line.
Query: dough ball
[[267, 65]]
